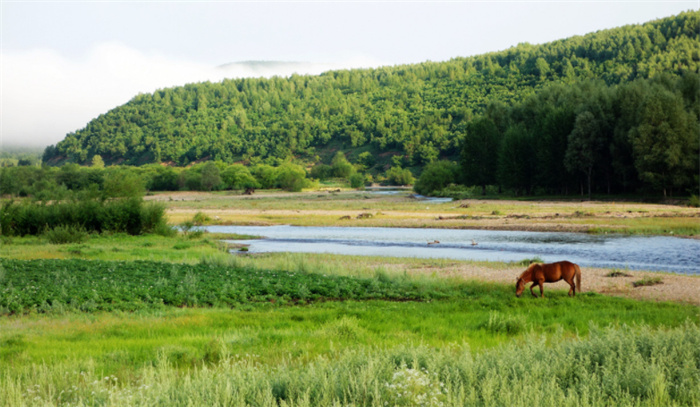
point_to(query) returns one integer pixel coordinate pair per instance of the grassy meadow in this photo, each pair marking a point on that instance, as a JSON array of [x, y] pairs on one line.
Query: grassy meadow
[[150, 320]]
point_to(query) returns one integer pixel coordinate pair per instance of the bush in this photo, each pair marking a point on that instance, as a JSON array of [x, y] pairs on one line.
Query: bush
[[66, 234], [291, 177], [341, 167], [357, 180], [321, 172], [200, 218], [237, 177], [694, 201], [436, 176], [399, 176], [121, 215]]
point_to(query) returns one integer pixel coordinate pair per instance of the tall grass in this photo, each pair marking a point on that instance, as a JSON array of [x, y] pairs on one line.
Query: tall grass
[[615, 366]]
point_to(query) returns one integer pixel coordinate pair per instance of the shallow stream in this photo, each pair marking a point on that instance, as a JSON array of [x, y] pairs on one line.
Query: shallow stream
[[655, 253]]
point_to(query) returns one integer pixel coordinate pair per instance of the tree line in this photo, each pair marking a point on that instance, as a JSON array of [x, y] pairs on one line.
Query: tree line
[[641, 136], [72, 181]]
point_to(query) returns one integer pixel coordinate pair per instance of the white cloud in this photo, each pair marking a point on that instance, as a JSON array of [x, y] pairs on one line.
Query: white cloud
[[45, 95]]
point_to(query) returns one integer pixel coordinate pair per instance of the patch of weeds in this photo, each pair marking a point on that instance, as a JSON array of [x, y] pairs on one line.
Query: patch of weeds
[[76, 250], [182, 246], [617, 273], [694, 201], [200, 218], [647, 281], [496, 213], [66, 234], [499, 323], [526, 262]]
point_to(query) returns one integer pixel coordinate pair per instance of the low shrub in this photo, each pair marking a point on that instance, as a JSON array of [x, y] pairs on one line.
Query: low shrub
[[647, 281], [64, 234], [617, 273], [200, 218]]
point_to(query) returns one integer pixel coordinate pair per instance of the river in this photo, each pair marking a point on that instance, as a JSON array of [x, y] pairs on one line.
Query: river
[[653, 253]]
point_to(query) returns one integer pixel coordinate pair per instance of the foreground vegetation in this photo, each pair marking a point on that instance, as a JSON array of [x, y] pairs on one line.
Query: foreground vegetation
[[265, 348], [616, 366]]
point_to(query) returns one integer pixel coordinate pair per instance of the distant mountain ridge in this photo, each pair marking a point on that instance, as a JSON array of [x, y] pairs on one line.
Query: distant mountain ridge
[[418, 112], [262, 64]]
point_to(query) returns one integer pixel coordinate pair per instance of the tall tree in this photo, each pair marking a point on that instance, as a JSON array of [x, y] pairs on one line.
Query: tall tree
[[665, 143], [481, 141], [586, 143]]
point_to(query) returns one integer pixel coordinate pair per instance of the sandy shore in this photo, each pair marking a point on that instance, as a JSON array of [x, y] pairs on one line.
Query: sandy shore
[[674, 287]]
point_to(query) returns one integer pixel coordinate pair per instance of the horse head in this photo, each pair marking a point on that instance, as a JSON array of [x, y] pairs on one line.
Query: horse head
[[519, 287]]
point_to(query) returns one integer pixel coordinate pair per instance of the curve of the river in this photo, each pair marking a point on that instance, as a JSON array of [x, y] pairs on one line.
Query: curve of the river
[[654, 253]]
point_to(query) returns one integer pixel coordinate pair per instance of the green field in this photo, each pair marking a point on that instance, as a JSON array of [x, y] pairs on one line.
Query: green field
[[150, 320]]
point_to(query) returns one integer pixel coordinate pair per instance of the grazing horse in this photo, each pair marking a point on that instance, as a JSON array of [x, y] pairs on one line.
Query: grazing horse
[[549, 273]]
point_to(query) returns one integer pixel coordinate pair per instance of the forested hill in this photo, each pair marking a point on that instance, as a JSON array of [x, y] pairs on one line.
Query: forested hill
[[419, 111]]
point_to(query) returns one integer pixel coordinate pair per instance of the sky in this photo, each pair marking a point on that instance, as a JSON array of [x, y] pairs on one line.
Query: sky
[[63, 63]]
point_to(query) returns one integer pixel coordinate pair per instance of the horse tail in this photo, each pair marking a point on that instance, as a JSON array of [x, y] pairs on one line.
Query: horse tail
[[578, 278]]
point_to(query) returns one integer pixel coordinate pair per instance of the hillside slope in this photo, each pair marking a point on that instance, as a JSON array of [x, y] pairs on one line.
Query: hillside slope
[[416, 111]]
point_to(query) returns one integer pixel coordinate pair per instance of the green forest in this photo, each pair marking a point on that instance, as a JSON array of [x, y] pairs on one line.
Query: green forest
[[615, 111]]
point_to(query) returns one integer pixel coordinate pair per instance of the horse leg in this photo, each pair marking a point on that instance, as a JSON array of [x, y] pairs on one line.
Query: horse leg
[[534, 283], [541, 282], [572, 290]]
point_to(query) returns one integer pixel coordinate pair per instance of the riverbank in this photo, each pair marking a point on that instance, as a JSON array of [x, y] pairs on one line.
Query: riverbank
[[662, 286], [365, 208]]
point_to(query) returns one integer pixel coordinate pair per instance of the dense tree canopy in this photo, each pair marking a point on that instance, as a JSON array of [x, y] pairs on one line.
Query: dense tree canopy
[[639, 136]]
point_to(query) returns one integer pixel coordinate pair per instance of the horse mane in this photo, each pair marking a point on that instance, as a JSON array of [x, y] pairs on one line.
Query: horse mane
[[527, 274]]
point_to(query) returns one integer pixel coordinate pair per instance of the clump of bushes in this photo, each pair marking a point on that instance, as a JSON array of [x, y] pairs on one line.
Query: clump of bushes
[[436, 176], [128, 215]]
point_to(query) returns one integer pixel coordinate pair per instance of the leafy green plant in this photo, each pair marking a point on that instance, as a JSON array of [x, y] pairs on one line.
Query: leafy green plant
[[103, 285]]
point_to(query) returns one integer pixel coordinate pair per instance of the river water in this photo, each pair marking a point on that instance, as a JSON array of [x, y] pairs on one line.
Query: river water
[[656, 253]]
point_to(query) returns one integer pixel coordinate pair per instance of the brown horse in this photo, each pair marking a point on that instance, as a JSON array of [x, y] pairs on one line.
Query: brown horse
[[549, 273]]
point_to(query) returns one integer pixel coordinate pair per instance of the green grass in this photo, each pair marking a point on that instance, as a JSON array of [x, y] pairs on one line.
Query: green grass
[[120, 247], [635, 366], [72, 326]]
